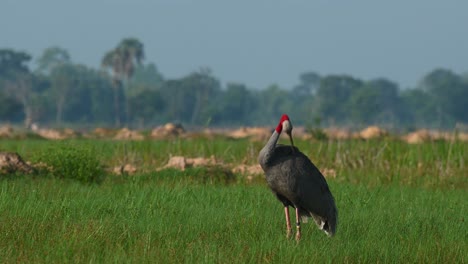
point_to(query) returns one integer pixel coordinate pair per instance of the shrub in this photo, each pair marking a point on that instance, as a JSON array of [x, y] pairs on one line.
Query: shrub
[[316, 131], [73, 162]]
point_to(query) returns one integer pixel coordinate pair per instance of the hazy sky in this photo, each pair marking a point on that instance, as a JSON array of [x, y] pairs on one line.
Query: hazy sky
[[253, 42]]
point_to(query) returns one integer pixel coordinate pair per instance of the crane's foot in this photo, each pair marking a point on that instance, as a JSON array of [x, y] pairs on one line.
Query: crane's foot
[[298, 236], [288, 233], [298, 225], [298, 232]]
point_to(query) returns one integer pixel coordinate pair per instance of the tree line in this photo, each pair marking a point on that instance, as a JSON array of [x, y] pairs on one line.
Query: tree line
[[125, 91]]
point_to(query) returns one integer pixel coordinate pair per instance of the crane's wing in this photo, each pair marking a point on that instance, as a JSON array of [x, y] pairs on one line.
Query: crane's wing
[[298, 166], [310, 188], [315, 196]]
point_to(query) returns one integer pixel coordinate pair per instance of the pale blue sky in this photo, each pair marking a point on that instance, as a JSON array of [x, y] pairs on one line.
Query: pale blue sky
[[253, 42]]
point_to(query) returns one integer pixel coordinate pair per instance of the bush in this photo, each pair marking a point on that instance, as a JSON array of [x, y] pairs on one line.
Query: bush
[[317, 132], [73, 162]]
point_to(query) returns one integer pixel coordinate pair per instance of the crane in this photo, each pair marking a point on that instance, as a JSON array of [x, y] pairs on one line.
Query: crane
[[297, 182]]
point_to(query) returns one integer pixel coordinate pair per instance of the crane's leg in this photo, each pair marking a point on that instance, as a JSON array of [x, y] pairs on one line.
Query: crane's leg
[[298, 225], [288, 222]]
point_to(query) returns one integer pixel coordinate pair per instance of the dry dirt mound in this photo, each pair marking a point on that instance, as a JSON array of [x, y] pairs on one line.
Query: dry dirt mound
[[373, 132], [463, 136], [207, 133], [50, 134], [55, 134], [102, 132], [248, 169], [256, 133], [424, 135], [417, 137], [168, 130], [11, 162], [181, 163], [337, 133], [443, 135], [124, 169], [6, 131], [127, 134], [70, 133]]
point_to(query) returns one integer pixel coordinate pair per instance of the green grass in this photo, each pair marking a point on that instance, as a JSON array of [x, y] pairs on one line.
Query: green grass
[[397, 203], [435, 165], [149, 220]]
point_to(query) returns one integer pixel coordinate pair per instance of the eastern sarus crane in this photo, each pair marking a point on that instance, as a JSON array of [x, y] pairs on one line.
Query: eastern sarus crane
[[297, 182]]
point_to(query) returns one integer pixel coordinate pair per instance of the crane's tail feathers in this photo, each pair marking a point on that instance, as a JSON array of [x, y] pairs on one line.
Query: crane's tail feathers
[[327, 229], [328, 225], [331, 223]]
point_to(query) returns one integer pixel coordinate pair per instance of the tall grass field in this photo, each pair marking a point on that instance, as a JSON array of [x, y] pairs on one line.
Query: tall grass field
[[397, 203]]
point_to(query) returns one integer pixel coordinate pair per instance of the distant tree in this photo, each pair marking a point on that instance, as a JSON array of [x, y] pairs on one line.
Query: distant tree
[[450, 94], [377, 101], [101, 95], [272, 101], [192, 99], [90, 97], [11, 110], [303, 96], [122, 61], [237, 104], [461, 112], [309, 83], [419, 108], [13, 63], [464, 77], [146, 106], [179, 100], [206, 87], [333, 97], [146, 77], [64, 78], [51, 58], [56, 64], [17, 81], [146, 80]]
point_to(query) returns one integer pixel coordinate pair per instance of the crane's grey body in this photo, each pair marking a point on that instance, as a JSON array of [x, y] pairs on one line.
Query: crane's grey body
[[297, 182]]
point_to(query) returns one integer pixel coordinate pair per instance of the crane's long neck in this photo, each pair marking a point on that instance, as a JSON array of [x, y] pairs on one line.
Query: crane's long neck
[[268, 150]]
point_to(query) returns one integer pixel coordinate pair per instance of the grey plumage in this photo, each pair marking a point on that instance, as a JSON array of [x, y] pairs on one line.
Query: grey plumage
[[297, 182]]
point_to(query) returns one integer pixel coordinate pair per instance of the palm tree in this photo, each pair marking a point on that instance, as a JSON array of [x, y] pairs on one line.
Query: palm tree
[[122, 60], [112, 61], [132, 53]]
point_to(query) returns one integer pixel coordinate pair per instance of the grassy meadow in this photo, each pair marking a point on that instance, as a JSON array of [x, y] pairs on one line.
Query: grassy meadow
[[397, 203]]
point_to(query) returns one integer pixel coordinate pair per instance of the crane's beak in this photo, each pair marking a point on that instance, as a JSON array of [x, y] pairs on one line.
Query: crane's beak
[[291, 139], [292, 142]]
